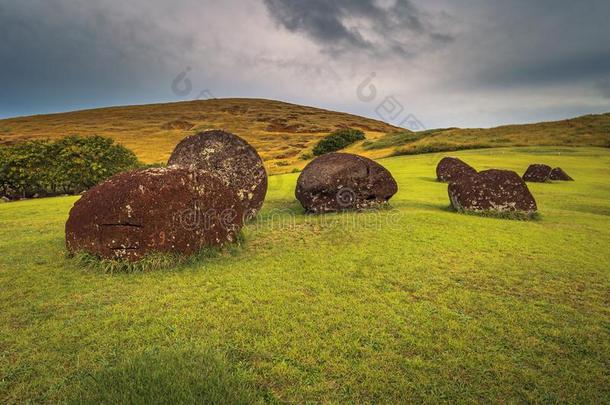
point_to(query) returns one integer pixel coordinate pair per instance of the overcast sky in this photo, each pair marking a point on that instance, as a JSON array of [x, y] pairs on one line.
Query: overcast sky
[[437, 62]]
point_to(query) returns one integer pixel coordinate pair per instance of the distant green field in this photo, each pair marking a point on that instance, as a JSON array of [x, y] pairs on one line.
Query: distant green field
[[412, 304]]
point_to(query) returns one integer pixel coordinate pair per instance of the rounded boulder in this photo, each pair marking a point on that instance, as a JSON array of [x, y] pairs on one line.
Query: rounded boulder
[[537, 173], [492, 190], [452, 169], [233, 159], [559, 174], [170, 210], [343, 181]]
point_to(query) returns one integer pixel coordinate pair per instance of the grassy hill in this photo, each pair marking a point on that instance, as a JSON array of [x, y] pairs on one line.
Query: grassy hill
[[412, 304], [283, 132], [280, 131], [588, 130]]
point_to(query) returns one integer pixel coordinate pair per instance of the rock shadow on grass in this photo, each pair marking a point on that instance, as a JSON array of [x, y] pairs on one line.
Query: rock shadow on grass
[[178, 375]]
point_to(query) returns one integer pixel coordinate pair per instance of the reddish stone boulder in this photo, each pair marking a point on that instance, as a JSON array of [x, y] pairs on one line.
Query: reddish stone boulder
[[559, 174], [234, 160], [341, 181], [156, 210], [537, 173], [451, 169], [492, 190]]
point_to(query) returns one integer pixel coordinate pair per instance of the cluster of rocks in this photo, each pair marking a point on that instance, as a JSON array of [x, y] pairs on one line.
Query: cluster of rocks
[[213, 183], [493, 190], [500, 191], [541, 173]]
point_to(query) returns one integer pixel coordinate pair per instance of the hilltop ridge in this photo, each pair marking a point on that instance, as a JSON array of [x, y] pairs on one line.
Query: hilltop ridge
[[284, 133]]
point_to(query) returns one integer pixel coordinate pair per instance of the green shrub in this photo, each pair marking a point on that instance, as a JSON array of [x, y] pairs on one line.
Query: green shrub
[[338, 140], [437, 147], [66, 166]]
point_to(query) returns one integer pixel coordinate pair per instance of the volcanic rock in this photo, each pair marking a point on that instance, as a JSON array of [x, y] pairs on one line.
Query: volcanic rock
[[234, 160], [492, 190], [341, 181], [537, 173], [451, 169], [173, 210], [559, 174]]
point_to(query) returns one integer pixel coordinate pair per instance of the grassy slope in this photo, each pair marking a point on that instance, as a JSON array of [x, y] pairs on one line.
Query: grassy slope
[[282, 132], [588, 130], [416, 303]]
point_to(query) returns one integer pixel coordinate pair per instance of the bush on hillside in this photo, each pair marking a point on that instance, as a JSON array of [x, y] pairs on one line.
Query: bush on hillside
[[418, 149], [338, 140], [66, 166]]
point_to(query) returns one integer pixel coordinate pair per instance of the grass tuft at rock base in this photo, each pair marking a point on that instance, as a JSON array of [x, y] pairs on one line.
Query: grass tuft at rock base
[[154, 261]]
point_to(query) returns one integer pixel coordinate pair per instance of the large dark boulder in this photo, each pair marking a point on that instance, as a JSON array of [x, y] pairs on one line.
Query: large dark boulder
[[341, 181], [233, 159], [493, 191], [452, 169], [537, 173], [174, 210], [559, 174]]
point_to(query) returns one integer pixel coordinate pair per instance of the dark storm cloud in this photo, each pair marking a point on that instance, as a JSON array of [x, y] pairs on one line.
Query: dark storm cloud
[[78, 53], [450, 62], [533, 43], [343, 25], [554, 70]]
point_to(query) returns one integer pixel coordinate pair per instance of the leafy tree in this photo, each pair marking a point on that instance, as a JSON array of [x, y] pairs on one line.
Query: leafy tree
[[24, 169], [81, 162], [69, 165]]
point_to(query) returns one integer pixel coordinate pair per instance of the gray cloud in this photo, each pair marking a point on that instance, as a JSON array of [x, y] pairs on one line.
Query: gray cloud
[[525, 43], [448, 62], [80, 53], [339, 26], [604, 87]]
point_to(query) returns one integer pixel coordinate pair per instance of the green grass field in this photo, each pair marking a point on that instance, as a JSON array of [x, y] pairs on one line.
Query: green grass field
[[416, 303]]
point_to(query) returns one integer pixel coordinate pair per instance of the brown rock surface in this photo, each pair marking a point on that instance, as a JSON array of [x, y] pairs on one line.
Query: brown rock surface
[[559, 174], [451, 169], [492, 190], [340, 181], [537, 173], [234, 160], [173, 210]]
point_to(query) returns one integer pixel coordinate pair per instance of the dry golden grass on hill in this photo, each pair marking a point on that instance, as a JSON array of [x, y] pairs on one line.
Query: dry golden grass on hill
[[588, 130], [283, 132]]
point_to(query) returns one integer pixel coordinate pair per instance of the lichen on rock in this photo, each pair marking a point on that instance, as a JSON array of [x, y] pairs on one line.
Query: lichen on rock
[[499, 191], [453, 169], [175, 210], [232, 159], [342, 181]]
